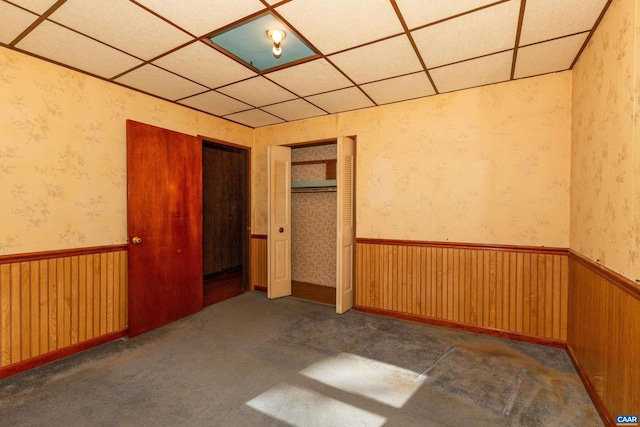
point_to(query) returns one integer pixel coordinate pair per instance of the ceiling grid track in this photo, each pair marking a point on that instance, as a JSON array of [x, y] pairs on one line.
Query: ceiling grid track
[[37, 22], [413, 44], [595, 25]]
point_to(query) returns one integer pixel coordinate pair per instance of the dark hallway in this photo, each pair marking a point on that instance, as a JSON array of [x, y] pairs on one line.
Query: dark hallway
[[225, 240]]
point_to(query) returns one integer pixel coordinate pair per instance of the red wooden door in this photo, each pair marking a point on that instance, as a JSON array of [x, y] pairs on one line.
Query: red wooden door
[[164, 213]]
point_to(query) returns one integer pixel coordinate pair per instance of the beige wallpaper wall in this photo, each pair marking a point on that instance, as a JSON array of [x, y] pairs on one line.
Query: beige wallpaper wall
[[488, 165], [605, 155], [62, 153], [485, 165]]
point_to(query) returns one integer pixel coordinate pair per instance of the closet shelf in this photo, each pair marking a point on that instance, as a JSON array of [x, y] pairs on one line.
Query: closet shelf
[[320, 185]]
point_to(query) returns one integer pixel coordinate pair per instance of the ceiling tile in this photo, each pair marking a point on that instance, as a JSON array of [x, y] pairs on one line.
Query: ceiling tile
[[215, 103], [334, 25], [547, 57], [341, 100], [254, 118], [480, 33], [310, 78], [121, 24], [201, 17], [476, 72], [377, 61], [37, 6], [257, 92], [420, 12], [547, 19], [59, 44], [205, 65], [157, 81], [14, 22], [399, 89], [294, 110]]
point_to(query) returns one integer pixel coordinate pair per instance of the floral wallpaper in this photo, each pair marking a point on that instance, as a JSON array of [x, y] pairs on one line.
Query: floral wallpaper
[[313, 238], [62, 153], [605, 199], [313, 221], [485, 165]]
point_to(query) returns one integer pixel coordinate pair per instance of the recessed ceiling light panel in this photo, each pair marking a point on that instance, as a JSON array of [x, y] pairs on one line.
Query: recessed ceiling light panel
[[249, 42]]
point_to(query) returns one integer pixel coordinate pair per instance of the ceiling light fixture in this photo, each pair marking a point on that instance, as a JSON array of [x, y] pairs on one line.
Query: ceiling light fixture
[[276, 36]]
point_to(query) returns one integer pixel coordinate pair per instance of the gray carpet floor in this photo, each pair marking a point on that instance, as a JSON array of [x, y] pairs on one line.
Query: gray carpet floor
[[250, 361]]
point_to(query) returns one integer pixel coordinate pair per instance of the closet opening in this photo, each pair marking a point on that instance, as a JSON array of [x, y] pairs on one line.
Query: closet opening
[[225, 220], [311, 227], [314, 222]]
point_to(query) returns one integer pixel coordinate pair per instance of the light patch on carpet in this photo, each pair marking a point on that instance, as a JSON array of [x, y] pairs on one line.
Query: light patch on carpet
[[376, 380], [303, 407]]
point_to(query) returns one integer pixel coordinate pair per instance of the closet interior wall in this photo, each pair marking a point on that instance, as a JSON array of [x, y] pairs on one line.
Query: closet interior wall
[[313, 220]]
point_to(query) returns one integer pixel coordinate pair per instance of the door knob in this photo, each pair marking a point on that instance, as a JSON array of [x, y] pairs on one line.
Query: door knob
[[281, 230], [136, 240]]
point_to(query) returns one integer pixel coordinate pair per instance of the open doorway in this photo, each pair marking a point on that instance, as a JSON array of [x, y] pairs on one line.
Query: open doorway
[[225, 220]]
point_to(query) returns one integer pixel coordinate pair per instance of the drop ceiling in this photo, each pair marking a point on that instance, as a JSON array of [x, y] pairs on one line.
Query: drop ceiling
[[367, 52]]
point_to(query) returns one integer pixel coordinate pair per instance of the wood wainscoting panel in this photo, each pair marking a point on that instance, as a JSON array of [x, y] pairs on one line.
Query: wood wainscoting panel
[[519, 290], [48, 304], [258, 275], [603, 334]]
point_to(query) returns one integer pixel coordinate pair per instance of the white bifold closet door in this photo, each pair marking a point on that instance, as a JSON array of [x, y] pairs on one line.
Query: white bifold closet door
[[344, 265], [279, 218]]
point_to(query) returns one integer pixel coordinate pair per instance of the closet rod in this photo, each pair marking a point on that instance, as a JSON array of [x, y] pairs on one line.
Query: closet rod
[[313, 162], [314, 190]]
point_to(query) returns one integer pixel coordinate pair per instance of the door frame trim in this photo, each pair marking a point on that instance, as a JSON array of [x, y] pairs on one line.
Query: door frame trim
[[247, 237]]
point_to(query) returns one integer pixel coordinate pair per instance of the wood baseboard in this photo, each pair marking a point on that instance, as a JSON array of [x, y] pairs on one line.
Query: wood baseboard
[[43, 359], [607, 419], [464, 327], [260, 288]]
